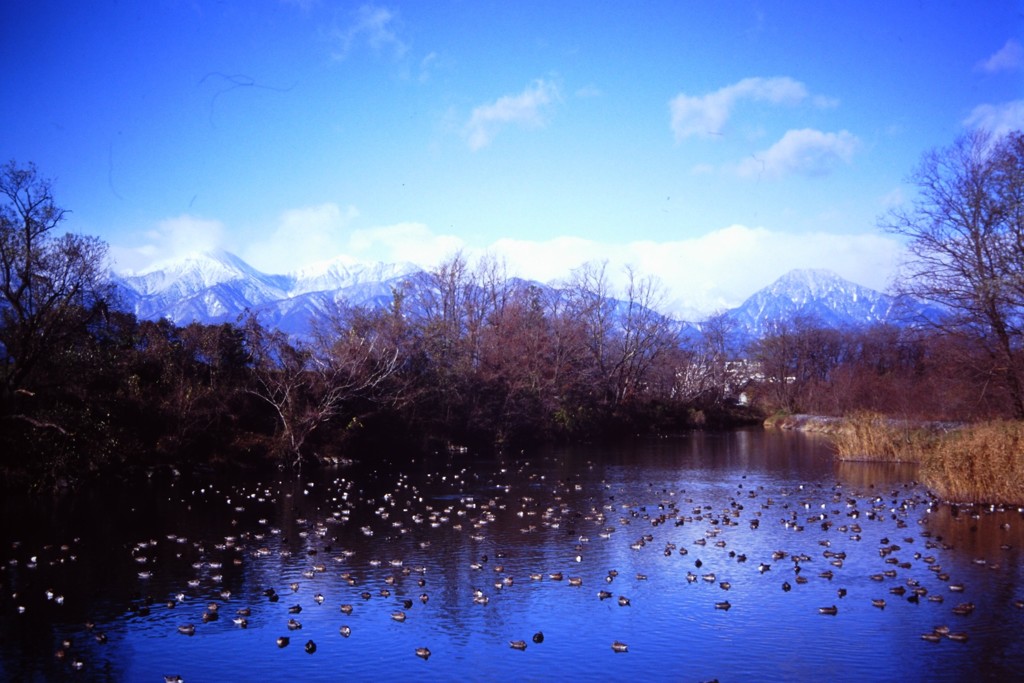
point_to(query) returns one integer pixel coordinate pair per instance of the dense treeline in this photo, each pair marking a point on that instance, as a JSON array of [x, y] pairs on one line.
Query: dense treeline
[[964, 233], [914, 373], [465, 355], [460, 357]]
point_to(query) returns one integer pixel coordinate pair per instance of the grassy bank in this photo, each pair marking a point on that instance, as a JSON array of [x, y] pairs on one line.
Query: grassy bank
[[978, 463], [877, 438], [982, 463]]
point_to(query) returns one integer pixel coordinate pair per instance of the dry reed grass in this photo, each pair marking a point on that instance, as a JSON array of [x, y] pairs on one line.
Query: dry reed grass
[[978, 463], [981, 463], [874, 437]]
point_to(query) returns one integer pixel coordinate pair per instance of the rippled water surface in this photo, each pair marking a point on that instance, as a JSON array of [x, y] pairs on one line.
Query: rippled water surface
[[480, 553]]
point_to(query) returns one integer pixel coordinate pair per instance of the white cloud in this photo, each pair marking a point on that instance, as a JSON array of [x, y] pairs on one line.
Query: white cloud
[[525, 109], [1010, 57], [714, 271], [426, 66], [300, 237], [701, 275], [706, 115], [893, 199], [373, 26], [997, 118], [169, 240], [412, 242], [806, 152]]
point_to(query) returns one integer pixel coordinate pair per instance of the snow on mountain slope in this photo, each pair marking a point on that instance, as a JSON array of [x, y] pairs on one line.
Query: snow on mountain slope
[[219, 287], [820, 296]]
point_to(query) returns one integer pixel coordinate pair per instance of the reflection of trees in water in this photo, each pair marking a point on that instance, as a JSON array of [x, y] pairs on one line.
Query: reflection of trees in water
[[980, 533], [866, 474]]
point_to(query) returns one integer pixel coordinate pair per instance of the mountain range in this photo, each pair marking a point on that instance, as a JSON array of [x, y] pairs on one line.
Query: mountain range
[[218, 286]]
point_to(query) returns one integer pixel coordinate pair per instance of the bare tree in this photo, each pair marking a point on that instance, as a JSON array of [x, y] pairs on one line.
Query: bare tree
[[307, 386], [51, 286], [965, 246], [624, 337]]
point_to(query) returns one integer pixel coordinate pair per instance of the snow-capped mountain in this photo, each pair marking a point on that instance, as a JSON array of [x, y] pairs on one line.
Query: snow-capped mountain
[[824, 298], [218, 286]]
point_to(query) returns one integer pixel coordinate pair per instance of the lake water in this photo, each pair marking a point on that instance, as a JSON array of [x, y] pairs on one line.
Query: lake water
[[784, 530]]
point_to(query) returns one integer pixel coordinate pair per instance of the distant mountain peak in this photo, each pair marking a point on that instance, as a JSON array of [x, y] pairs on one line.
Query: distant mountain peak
[[817, 294], [217, 286]]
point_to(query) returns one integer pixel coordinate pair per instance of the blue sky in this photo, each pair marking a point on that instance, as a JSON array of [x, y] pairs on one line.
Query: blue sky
[[711, 145]]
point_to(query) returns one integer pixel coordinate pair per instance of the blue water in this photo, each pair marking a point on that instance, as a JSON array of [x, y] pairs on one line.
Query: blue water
[[650, 511]]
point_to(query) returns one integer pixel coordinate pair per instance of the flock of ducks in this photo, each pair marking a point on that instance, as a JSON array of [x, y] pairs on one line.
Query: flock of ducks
[[695, 533]]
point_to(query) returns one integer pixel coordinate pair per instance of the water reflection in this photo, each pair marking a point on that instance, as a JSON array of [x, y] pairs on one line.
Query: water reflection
[[639, 544]]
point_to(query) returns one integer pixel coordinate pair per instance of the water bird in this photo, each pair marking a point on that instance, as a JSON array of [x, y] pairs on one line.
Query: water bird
[[282, 641], [959, 637], [398, 616], [294, 625], [931, 637], [833, 610], [538, 637], [619, 646], [345, 631], [423, 653], [310, 647], [346, 609], [724, 605], [963, 609], [880, 603], [517, 644], [187, 629], [623, 601]]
